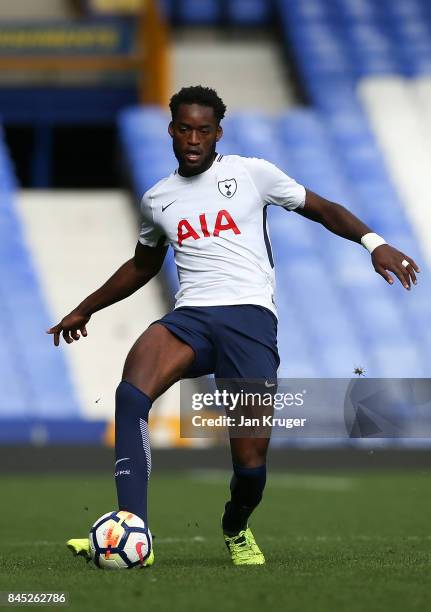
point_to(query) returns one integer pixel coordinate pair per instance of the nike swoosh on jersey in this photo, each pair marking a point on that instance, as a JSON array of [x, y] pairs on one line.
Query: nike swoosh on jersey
[[123, 459], [167, 205]]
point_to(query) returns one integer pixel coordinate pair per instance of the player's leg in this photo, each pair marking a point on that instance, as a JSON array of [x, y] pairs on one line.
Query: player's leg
[[246, 487], [247, 483], [247, 350], [156, 361]]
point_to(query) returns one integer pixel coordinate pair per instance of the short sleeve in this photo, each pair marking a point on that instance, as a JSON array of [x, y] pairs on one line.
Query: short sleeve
[[274, 186], [150, 234]]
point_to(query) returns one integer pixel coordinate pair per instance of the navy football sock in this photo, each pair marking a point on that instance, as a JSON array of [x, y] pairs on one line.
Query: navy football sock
[[246, 488], [132, 448]]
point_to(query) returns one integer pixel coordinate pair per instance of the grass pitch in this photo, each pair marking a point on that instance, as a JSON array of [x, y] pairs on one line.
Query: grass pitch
[[351, 542]]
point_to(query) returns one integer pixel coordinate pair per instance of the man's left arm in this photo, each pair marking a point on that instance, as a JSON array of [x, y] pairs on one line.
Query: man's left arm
[[342, 222]]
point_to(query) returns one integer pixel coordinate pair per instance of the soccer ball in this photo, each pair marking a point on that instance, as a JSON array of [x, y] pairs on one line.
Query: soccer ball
[[120, 540]]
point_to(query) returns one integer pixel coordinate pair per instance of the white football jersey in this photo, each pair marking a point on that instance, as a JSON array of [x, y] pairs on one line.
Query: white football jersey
[[216, 223]]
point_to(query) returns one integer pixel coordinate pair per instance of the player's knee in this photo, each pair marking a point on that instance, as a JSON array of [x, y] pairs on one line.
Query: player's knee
[[131, 365], [134, 371], [133, 377], [131, 401], [250, 461], [251, 457]]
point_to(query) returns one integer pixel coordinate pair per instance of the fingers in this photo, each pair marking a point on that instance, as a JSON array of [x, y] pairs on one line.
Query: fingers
[[69, 331], [69, 335], [412, 262], [403, 276], [388, 278], [405, 270], [411, 271], [388, 259], [56, 330], [66, 336], [400, 272], [412, 268], [75, 334]]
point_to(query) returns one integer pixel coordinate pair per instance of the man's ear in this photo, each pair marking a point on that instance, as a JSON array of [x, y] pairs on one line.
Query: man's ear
[[171, 129], [219, 133]]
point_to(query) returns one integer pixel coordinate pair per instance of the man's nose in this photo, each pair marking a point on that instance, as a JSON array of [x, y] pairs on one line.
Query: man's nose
[[193, 137]]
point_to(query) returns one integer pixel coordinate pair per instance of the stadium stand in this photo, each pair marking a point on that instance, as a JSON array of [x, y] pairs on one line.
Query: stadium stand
[[249, 12], [213, 12], [400, 123], [199, 11], [363, 65], [382, 51], [34, 379]]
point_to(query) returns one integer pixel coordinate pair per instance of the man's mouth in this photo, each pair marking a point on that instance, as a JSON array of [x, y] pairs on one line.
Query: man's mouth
[[192, 156]]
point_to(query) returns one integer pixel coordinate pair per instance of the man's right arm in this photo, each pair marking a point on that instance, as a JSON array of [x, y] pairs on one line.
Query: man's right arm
[[130, 277]]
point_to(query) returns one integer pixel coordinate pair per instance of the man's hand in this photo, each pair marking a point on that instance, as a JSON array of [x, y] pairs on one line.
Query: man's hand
[[69, 327], [385, 258], [130, 277]]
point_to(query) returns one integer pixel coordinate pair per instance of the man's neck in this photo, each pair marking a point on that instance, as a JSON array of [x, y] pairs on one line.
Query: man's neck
[[201, 171]]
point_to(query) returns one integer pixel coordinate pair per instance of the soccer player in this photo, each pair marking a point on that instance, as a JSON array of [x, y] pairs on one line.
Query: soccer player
[[212, 211]]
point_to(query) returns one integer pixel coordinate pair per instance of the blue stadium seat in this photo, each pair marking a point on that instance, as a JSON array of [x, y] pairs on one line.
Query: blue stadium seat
[[167, 8], [313, 10], [199, 11], [298, 359], [405, 9], [346, 40], [14, 400], [292, 231], [399, 359], [170, 272], [248, 12], [235, 12], [228, 146], [150, 127], [357, 10], [34, 378]]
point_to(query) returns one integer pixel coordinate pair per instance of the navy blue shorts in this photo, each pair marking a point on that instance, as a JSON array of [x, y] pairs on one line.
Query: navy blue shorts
[[229, 341]]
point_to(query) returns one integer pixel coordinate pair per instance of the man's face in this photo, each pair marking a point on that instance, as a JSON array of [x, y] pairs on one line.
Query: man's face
[[194, 135]]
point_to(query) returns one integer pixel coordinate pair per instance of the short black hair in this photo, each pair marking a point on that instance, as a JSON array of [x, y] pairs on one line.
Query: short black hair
[[197, 94]]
